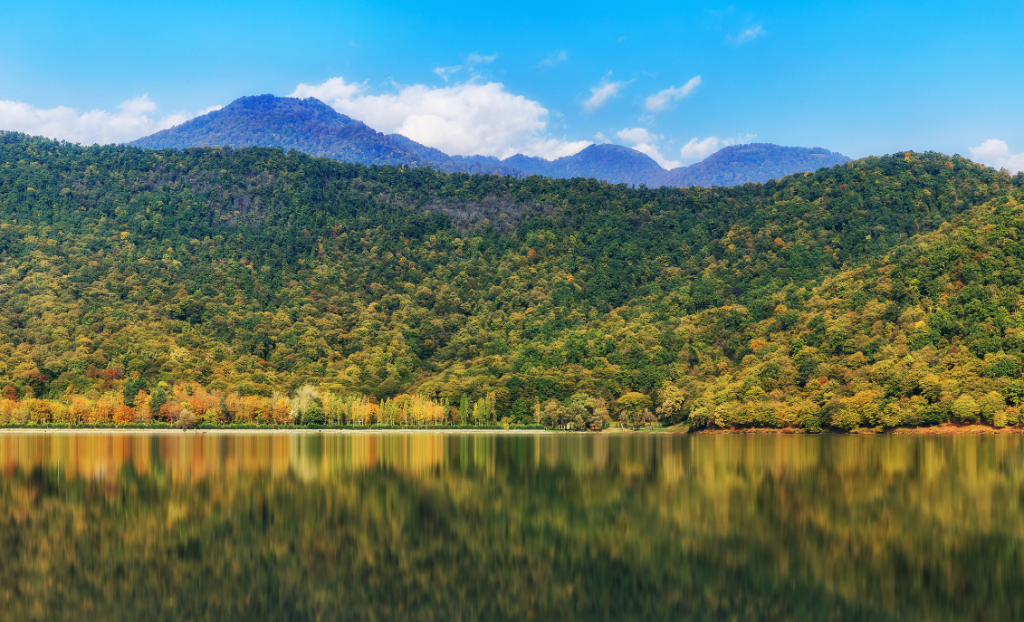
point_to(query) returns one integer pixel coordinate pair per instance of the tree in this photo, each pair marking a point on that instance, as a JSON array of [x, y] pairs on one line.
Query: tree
[[965, 409], [585, 412], [673, 402], [314, 414], [634, 408], [131, 389], [157, 400], [553, 415]]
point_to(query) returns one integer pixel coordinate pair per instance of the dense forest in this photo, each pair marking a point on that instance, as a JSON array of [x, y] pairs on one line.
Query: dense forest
[[260, 285]]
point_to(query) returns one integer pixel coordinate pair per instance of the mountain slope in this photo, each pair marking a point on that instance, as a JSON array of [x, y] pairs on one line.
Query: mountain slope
[[306, 125], [312, 127], [254, 270], [612, 163], [730, 166], [749, 163], [451, 164]]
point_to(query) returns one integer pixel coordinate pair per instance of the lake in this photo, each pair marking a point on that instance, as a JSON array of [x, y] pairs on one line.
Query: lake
[[224, 526]]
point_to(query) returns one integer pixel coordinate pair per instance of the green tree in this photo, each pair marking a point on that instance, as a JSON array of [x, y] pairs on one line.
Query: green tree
[[157, 400], [965, 409], [634, 408], [314, 414]]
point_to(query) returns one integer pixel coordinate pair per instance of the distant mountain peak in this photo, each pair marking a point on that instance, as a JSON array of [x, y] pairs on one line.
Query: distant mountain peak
[[751, 162], [309, 108], [310, 126], [313, 127]]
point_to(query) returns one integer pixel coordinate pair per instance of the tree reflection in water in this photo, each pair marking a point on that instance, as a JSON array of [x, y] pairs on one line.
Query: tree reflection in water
[[480, 527]]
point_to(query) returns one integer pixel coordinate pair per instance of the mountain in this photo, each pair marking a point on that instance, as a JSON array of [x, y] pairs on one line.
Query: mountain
[[306, 125], [451, 164], [749, 163], [612, 163], [730, 166], [310, 126], [137, 283]]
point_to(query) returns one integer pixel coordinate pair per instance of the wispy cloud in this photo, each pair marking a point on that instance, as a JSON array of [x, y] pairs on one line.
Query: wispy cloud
[[644, 141], [446, 72], [469, 118], [133, 119], [557, 58], [472, 60], [746, 35], [661, 100], [475, 59], [995, 152], [600, 94]]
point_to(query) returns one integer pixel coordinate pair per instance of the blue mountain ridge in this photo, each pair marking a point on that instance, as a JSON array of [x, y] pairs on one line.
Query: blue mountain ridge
[[313, 127]]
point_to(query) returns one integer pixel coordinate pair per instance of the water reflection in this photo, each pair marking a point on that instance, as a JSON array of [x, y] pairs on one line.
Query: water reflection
[[381, 526]]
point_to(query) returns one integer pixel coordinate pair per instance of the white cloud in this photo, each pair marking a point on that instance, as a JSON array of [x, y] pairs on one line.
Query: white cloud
[[746, 35], [643, 141], [557, 58], [471, 118], [995, 152], [659, 101], [600, 94], [134, 118], [601, 138], [478, 59], [636, 135], [698, 149], [333, 89]]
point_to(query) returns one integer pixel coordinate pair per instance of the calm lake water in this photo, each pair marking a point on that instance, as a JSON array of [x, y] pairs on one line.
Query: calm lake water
[[481, 527]]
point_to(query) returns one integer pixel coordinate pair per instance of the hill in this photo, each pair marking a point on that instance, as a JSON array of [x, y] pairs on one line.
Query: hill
[[310, 126], [612, 163], [731, 166], [751, 163], [239, 273]]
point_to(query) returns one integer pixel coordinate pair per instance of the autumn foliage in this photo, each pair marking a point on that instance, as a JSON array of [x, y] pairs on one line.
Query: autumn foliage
[[140, 286]]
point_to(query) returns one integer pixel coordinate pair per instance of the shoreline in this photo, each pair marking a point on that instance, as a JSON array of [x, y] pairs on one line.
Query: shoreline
[[945, 429], [259, 431]]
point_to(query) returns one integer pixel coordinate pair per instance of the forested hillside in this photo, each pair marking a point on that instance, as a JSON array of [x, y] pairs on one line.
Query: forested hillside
[[881, 292]]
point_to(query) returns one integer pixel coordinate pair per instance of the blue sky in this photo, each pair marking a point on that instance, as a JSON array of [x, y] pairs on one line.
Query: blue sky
[[544, 78]]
